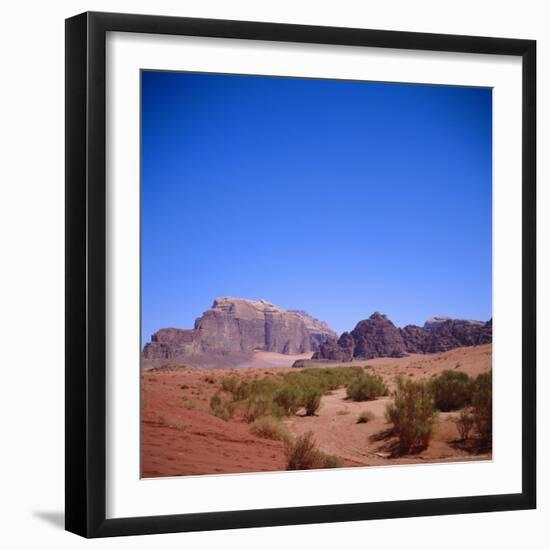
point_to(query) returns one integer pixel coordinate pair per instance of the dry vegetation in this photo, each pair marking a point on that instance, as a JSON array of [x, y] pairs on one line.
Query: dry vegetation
[[432, 408]]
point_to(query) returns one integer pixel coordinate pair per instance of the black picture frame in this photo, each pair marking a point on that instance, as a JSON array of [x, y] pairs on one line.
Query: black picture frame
[[86, 274]]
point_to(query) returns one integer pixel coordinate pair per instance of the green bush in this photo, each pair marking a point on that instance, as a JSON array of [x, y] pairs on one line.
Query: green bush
[[305, 388], [243, 391], [303, 454], [231, 384], [308, 388], [257, 406], [482, 407], [329, 378], [366, 387], [312, 400], [305, 380], [221, 407], [412, 415], [215, 401], [452, 390], [289, 398], [255, 398], [365, 416], [267, 387], [270, 428], [464, 423], [238, 389]]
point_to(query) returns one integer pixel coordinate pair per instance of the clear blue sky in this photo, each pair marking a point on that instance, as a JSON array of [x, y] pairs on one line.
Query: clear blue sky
[[339, 198]]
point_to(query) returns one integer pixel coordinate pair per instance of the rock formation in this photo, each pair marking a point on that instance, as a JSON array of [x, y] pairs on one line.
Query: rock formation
[[235, 325], [377, 336], [449, 334]]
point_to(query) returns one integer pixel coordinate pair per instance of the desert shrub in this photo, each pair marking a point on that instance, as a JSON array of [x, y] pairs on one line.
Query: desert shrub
[[257, 406], [305, 379], [215, 401], [333, 378], [312, 400], [238, 389], [303, 454], [308, 388], [366, 387], [328, 378], [345, 375], [482, 407], [231, 384], [270, 428], [464, 423], [267, 387], [271, 397], [220, 407], [365, 416], [242, 391], [289, 398], [412, 415], [190, 403], [305, 388], [452, 390], [260, 399]]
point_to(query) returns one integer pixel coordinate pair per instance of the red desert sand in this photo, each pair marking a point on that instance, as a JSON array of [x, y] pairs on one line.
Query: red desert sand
[[180, 435]]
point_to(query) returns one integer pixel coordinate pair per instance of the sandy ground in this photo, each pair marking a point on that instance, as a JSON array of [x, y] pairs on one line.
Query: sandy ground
[[336, 432], [270, 359], [231, 360], [181, 437]]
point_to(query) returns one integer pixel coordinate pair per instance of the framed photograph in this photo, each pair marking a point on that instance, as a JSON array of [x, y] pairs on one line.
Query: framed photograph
[[300, 274]]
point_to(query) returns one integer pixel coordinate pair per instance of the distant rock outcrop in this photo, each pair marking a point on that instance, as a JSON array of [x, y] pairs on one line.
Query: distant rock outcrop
[[377, 336], [449, 334], [436, 322], [235, 325]]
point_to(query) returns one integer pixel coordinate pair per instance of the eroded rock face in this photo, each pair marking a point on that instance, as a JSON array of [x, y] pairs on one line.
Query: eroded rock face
[[377, 336], [456, 333], [337, 350], [414, 338], [171, 342], [239, 325]]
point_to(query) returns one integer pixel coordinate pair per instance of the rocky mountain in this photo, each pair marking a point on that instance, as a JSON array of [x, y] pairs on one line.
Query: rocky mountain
[[377, 336], [236, 325], [448, 334], [436, 322]]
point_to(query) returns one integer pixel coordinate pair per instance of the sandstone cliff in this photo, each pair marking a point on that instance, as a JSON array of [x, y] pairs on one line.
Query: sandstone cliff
[[236, 325]]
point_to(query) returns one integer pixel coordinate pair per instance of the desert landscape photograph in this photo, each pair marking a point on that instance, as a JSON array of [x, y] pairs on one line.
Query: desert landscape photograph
[[316, 274]]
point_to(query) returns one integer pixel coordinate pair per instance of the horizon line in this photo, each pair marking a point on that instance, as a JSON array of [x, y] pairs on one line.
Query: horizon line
[[292, 310]]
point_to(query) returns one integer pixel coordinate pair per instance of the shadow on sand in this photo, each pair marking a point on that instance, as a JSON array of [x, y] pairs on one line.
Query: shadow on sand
[[471, 446]]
